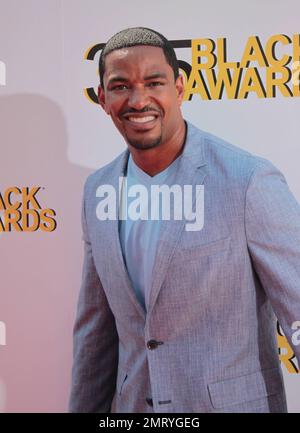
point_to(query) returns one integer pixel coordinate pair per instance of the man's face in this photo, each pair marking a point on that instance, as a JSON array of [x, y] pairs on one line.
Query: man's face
[[141, 95]]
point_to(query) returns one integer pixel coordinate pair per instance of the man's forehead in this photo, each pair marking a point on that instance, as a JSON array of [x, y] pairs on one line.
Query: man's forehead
[[137, 55]]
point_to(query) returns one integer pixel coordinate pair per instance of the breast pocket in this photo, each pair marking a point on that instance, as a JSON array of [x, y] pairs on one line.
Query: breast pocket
[[195, 253]]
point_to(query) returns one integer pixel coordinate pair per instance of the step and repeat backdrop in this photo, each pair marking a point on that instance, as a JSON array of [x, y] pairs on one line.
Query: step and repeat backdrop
[[53, 134]]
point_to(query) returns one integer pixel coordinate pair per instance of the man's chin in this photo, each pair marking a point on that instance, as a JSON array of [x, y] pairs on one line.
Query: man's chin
[[144, 144]]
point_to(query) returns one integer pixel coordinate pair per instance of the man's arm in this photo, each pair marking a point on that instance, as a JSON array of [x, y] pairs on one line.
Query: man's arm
[[95, 341], [272, 221]]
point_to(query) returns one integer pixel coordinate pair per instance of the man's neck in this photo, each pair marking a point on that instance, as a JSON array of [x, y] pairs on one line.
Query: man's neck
[[153, 161]]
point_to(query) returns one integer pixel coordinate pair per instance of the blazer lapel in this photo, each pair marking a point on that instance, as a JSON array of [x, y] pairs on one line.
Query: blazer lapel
[[118, 266], [191, 171]]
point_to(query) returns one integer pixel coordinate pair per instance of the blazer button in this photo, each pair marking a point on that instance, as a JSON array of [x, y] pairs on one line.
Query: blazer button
[[149, 401], [153, 344]]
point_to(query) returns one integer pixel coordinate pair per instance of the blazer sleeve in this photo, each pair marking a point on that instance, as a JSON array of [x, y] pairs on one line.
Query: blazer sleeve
[[95, 341], [272, 221]]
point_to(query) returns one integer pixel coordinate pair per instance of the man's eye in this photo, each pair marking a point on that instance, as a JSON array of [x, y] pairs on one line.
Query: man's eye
[[155, 84], [119, 87]]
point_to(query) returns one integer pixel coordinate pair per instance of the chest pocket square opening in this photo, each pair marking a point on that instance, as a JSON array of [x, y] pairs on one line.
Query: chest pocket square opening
[[196, 252]]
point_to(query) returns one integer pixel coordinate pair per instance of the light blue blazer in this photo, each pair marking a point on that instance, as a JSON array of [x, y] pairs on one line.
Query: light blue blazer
[[208, 340]]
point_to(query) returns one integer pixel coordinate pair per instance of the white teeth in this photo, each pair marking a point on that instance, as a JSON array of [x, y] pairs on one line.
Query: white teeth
[[141, 119]]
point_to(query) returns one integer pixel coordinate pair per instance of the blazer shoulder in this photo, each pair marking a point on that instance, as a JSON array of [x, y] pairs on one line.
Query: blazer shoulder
[[231, 159], [225, 149]]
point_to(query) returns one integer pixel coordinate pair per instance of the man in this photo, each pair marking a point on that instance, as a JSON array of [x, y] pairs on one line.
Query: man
[[172, 319]]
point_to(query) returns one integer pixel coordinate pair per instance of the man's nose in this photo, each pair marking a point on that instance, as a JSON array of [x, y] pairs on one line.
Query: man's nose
[[138, 99]]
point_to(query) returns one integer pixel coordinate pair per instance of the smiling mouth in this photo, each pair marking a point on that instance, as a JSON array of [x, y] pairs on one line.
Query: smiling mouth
[[141, 120], [144, 119]]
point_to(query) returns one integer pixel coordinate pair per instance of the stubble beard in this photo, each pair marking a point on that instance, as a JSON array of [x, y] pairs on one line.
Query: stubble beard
[[145, 145]]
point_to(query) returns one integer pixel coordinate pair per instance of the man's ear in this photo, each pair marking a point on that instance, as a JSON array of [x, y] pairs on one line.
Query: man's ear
[[180, 88], [101, 99]]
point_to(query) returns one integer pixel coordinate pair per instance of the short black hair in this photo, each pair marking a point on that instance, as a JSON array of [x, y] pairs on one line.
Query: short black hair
[[134, 36]]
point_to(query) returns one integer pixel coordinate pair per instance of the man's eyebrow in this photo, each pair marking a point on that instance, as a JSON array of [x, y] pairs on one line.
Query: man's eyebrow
[[155, 75], [116, 78]]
